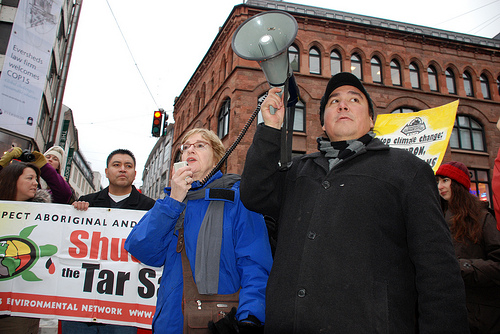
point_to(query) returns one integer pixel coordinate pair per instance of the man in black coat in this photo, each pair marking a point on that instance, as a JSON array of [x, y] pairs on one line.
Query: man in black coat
[[362, 243], [120, 194]]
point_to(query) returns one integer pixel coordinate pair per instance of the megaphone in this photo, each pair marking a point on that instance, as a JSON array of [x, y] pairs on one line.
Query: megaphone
[[265, 38]]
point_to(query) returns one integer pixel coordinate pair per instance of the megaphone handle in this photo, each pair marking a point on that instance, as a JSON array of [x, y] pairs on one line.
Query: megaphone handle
[[273, 110]]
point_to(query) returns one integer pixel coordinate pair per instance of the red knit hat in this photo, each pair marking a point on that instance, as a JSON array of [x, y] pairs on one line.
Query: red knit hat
[[456, 171]]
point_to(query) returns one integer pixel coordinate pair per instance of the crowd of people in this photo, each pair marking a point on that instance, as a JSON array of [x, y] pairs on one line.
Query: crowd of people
[[359, 247]]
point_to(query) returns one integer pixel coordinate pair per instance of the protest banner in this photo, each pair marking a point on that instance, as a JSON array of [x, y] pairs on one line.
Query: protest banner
[[425, 133], [58, 262]]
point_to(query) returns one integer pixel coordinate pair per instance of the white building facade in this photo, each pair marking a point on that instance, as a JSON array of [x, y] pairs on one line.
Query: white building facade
[[156, 174]]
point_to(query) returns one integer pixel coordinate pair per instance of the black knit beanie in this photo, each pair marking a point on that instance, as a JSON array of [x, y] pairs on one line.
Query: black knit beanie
[[338, 80]]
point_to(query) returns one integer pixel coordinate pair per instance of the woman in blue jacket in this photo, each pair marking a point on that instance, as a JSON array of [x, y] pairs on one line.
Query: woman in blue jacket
[[226, 244]]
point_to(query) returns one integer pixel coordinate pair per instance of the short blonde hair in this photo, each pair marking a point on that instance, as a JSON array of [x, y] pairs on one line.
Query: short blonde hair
[[211, 138]]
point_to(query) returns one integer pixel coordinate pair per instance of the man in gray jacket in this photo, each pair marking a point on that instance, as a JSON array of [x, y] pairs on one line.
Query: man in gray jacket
[[362, 244]]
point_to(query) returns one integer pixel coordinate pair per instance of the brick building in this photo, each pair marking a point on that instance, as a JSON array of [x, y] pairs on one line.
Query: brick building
[[404, 68]]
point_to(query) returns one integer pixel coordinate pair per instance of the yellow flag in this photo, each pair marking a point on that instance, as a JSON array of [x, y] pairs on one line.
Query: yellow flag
[[425, 133]]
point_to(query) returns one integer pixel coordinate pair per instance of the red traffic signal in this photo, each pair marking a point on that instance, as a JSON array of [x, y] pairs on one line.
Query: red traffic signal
[[157, 122]]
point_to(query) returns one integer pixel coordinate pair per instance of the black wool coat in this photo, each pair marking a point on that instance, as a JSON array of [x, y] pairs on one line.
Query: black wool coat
[[480, 268], [363, 248]]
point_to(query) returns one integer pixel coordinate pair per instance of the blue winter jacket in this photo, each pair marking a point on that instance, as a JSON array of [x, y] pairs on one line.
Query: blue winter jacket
[[245, 254]]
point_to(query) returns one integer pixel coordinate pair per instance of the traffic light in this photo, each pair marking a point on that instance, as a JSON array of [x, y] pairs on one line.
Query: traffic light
[[165, 125], [157, 121]]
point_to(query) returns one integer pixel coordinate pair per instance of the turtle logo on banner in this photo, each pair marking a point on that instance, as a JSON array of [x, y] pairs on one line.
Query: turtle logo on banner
[[18, 254]]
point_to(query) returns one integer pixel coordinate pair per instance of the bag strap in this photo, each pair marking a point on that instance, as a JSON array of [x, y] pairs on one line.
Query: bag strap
[[190, 292]]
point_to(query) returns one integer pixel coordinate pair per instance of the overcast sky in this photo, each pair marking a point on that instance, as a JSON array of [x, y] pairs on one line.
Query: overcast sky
[[113, 88]]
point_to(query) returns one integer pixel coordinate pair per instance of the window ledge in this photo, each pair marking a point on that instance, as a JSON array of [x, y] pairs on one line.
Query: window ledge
[[299, 133], [457, 150]]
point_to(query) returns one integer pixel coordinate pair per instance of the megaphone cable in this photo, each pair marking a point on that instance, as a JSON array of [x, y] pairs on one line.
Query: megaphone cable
[[236, 142]]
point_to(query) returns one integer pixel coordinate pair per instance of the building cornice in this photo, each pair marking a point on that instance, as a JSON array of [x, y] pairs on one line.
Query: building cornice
[[309, 15], [374, 22]]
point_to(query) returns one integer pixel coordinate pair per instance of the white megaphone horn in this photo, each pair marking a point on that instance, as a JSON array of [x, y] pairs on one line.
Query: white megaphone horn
[[265, 38]]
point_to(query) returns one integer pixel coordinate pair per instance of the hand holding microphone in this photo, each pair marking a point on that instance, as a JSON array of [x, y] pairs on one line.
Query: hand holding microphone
[[181, 181]]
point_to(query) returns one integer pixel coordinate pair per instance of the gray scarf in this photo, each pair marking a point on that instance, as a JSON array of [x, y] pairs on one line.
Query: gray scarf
[[337, 152], [208, 246]]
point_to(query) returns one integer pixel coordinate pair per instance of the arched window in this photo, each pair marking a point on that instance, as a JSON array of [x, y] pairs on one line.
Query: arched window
[[433, 78], [356, 66], [299, 120], [335, 62], [314, 61], [404, 110], [467, 134], [211, 86], [197, 103], [202, 96], [468, 84], [498, 84], [485, 87], [223, 69], [376, 70], [414, 76], [293, 57], [223, 120], [450, 82], [186, 120], [395, 73]]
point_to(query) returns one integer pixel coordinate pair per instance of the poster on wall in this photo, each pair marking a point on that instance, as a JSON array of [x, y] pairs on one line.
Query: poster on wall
[[27, 60], [426, 133], [58, 262]]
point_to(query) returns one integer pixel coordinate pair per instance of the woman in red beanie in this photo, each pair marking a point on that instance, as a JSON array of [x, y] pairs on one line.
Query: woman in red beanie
[[477, 246]]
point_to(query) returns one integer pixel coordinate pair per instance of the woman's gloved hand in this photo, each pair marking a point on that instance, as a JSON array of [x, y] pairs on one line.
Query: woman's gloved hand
[[40, 159], [230, 325], [13, 153]]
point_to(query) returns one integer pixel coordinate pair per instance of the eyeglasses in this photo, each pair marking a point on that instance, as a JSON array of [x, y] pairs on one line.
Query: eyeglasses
[[198, 146]]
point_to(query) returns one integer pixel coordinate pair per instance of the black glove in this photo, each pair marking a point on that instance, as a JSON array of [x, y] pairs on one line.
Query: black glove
[[229, 325], [251, 325], [226, 325]]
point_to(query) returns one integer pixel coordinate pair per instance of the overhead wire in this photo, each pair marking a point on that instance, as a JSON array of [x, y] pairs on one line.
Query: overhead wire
[[470, 11], [473, 10], [485, 24], [130, 51]]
